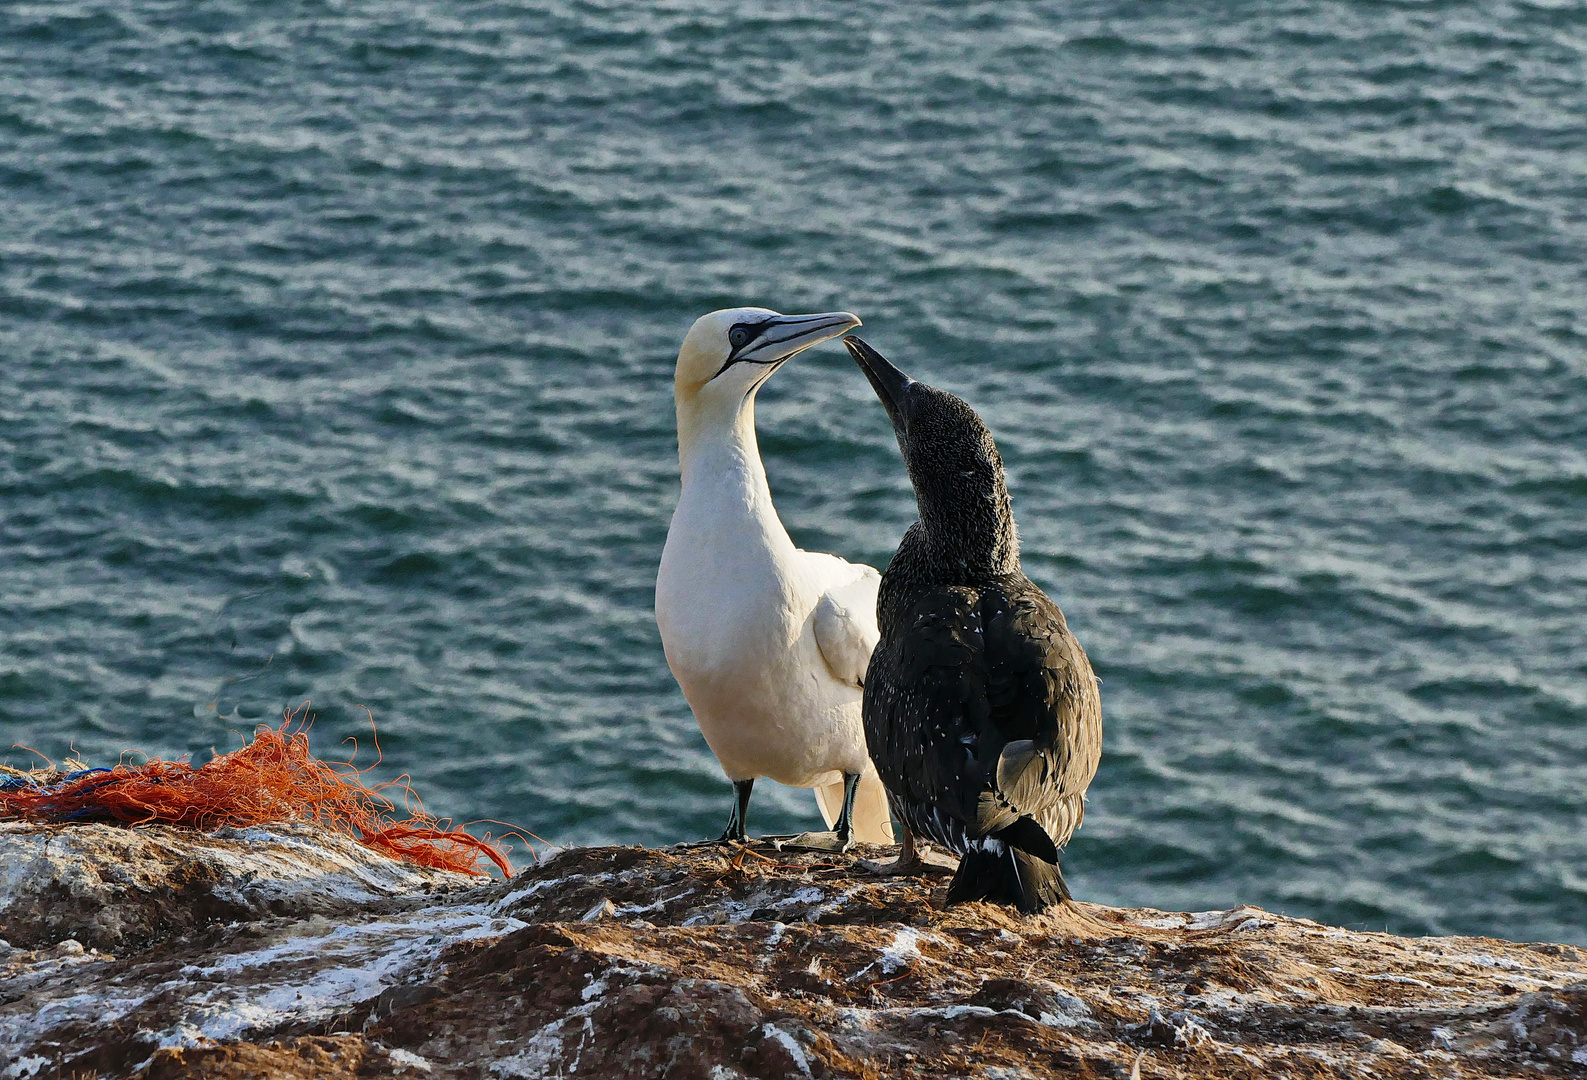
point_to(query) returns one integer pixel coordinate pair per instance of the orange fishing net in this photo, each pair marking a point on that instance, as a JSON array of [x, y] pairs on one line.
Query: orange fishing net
[[273, 778]]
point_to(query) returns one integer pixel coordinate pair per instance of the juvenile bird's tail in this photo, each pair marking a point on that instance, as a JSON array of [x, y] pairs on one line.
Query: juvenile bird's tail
[[1016, 865]]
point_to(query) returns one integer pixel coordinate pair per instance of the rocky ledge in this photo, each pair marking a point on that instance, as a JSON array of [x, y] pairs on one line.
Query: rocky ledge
[[287, 953]]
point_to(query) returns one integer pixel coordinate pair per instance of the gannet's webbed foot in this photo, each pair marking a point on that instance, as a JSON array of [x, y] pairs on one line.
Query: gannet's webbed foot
[[908, 861], [816, 841], [735, 832], [841, 836], [726, 839]]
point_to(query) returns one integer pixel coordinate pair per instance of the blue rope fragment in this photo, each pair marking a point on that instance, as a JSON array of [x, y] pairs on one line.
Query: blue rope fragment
[[15, 783], [79, 774]]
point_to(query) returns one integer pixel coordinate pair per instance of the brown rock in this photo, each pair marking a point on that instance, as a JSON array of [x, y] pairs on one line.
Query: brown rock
[[716, 964], [328, 1057], [110, 887]]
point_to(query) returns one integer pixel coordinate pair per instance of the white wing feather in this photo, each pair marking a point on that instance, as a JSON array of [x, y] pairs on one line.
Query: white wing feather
[[845, 616], [846, 634]]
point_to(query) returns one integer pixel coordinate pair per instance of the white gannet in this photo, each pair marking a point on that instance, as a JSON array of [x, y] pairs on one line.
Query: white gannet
[[981, 710], [769, 643]]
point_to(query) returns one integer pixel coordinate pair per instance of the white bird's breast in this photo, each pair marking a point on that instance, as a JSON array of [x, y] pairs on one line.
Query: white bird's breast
[[735, 609], [720, 596]]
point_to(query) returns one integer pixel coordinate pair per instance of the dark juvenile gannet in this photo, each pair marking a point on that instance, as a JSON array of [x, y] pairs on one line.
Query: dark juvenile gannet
[[769, 643], [981, 710]]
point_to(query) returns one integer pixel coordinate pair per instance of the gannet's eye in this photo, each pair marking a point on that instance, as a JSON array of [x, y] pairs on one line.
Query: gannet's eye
[[738, 338]]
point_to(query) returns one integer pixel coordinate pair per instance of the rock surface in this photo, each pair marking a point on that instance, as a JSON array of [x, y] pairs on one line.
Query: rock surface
[[161, 957], [111, 888]]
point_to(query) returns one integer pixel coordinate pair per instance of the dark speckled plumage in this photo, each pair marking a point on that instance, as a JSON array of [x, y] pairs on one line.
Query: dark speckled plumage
[[981, 710]]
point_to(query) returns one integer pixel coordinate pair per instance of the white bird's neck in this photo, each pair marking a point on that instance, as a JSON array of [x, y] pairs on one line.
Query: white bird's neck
[[723, 476]]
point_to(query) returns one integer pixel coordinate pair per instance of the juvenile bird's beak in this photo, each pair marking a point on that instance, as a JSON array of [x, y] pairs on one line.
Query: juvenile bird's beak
[[786, 335], [890, 384]]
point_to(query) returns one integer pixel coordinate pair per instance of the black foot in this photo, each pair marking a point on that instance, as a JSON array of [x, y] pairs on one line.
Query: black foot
[[734, 833]]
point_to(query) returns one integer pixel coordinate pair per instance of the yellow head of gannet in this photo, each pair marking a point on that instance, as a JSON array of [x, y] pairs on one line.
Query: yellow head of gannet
[[727, 355]]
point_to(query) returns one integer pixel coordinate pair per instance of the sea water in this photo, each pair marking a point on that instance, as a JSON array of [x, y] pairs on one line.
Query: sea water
[[336, 343]]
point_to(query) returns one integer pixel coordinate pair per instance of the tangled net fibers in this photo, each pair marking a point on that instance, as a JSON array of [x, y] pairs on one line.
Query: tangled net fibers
[[272, 779]]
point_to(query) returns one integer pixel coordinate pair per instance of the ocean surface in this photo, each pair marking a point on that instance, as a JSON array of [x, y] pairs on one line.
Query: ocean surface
[[336, 346]]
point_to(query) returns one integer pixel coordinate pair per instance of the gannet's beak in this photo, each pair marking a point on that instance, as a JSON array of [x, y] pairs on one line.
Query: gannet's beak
[[783, 336], [890, 384]]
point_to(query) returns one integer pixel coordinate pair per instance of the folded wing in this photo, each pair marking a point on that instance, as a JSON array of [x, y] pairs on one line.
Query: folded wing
[[845, 616]]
